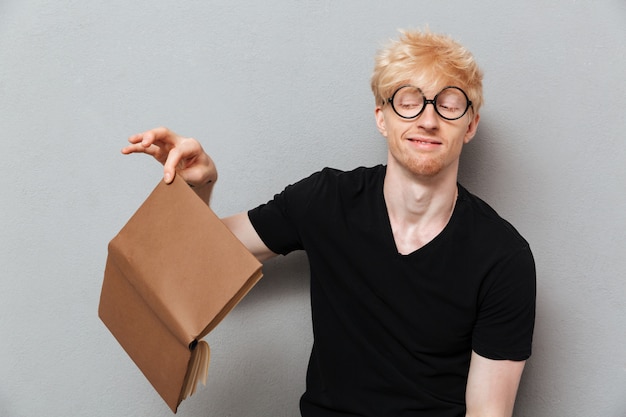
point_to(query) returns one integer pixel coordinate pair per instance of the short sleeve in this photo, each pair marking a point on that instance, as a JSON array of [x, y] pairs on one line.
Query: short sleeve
[[277, 221], [506, 312]]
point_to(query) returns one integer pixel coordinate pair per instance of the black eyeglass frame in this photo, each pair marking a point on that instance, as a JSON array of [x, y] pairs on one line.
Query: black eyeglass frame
[[427, 101]]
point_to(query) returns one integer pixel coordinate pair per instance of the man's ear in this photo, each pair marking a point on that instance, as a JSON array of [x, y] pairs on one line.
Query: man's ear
[[380, 121], [471, 128]]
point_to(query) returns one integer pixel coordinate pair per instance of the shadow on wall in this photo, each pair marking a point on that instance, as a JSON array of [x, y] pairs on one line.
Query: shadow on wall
[[283, 277], [481, 163], [275, 334]]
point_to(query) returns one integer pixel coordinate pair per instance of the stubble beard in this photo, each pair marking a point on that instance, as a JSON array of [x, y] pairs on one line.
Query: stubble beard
[[423, 166]]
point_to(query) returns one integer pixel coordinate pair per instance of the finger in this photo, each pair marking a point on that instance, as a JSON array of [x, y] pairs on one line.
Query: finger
[[137, 144], [159, 134], [152, 136], [134, 148], [136, 138], [169, 167], [150, 141], [137, 148]]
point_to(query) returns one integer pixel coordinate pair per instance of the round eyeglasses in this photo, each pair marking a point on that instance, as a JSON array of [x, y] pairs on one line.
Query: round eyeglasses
[[451, 103]]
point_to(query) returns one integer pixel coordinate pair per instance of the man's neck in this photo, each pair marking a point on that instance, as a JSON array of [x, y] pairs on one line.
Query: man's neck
[[419, 208]]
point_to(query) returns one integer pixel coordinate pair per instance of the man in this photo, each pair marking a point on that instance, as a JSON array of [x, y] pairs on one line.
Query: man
[[422, 296]]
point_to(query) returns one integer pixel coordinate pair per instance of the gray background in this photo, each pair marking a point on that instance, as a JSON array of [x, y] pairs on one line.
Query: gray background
[[276, 90]]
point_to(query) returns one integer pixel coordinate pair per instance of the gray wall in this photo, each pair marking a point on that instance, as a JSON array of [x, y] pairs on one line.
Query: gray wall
[[276, 90]]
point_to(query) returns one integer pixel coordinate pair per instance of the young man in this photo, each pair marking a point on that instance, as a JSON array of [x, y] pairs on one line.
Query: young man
[[422, 296]]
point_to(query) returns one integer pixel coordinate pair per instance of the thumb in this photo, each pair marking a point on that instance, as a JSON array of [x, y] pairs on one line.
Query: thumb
[[169, 167], [168, 177]]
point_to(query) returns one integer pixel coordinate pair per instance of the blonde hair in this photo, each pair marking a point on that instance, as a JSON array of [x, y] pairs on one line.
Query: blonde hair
[[430, 57]]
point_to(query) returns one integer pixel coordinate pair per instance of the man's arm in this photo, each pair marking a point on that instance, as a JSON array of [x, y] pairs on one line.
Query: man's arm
[[241, 227], [492, 386]]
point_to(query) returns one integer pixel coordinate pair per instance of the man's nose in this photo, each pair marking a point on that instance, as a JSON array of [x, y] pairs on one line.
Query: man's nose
[[429, 119]]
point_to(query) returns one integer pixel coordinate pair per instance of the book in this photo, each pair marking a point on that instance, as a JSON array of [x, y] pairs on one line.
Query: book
[[172, 273]]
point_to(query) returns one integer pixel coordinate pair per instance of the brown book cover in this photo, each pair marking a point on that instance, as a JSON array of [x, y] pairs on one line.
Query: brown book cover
[[172, 274]]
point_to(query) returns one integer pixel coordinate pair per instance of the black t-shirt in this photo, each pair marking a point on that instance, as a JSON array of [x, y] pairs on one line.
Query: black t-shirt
[[393, 333]]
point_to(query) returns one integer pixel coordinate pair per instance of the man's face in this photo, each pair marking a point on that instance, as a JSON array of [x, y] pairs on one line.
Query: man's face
[[428, 145]]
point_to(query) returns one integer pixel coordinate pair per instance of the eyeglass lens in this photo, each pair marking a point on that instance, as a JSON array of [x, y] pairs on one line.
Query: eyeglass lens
[[451, 103]]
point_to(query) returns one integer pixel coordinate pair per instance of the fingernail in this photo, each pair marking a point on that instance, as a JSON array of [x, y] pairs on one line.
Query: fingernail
[[168, 177]]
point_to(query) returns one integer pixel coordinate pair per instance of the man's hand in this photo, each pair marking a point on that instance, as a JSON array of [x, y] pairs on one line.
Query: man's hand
[[185, 157], [178, 154]]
